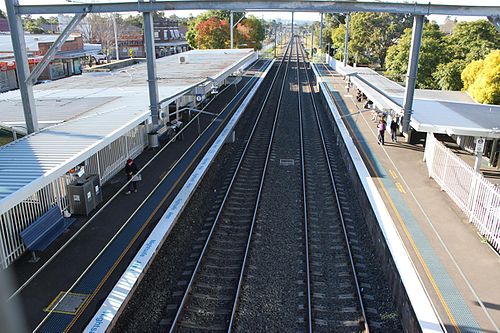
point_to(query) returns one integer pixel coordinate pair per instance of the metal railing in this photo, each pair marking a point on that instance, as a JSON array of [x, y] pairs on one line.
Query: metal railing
[[106, 163], [478, 198]]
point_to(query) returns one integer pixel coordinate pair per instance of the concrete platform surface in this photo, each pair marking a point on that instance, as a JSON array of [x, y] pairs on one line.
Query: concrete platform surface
[[460, 272]]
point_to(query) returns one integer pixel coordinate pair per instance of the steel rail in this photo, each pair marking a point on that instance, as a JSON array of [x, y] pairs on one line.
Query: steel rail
[[222, 206], [39, 325], [304, 193], [334, 186], [261, 186]]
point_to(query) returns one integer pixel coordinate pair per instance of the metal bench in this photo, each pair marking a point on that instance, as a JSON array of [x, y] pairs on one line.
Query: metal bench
[[41, 233]]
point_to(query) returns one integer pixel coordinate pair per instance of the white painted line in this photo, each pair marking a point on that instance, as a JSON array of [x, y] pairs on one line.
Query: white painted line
[[121, 291], [417, 294]]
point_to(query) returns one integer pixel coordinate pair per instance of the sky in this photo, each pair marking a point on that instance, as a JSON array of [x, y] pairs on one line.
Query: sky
[[280, 15]]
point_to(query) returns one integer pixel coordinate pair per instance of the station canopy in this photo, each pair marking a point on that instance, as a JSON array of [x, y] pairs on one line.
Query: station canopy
[[94, 109], [435, 111]]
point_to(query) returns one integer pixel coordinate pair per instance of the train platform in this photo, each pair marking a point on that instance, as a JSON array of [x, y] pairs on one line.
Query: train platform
[[84, 264], [459, 270]]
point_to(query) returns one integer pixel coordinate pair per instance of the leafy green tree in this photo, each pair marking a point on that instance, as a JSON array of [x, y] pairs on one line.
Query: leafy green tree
[[32, 26], [482, 79], [433, 52], [338, 38], [447, 75], [371, 34], [134, 20], [250, 33], [473, 40]]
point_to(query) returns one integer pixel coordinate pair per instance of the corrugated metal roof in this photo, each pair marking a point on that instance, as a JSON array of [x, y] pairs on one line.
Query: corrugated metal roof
[[113, 103], [34, 161], [437, 111]]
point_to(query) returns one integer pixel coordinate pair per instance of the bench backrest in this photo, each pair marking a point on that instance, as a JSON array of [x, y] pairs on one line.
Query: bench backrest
[[41, 228]]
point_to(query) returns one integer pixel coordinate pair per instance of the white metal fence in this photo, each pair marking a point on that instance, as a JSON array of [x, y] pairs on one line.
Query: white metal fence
[[16, 219], [106, 163], [478, 198]]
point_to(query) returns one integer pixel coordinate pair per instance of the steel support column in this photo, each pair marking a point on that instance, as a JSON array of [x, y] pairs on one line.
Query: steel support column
[[232, 30], [22, 66], [151, 62], [321, 31], [346, 42], [291, 38], [416, 39]]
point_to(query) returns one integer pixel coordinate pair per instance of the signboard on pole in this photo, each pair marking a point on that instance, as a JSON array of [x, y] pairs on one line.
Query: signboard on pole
[[480, 145]]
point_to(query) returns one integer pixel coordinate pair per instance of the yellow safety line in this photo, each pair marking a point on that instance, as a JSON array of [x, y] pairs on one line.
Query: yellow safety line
[[403, 225]]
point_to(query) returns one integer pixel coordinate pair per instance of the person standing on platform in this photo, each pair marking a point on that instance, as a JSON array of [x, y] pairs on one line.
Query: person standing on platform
[[381, 131], [394, 128], [131, 170]]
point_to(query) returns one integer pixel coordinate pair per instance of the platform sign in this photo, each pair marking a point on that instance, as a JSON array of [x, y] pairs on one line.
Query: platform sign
[[480, 145], [199, 98]]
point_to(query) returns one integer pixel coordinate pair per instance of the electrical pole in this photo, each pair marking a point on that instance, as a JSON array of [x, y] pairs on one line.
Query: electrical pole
[[116, 37], [321, 32], [232, 32], [312, 41], [275, 39], [346, 44]]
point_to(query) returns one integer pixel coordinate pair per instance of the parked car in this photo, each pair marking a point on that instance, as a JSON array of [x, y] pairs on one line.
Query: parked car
[[100, 57]]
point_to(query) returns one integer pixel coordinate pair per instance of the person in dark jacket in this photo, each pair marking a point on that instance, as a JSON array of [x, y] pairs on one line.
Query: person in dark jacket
[[131, 169], [394, 128]]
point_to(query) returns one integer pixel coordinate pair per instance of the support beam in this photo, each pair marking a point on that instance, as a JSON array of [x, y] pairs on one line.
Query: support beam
[[291, 38], [22, 66], [411, 80], [407, 7], [321, 31], [232, 30], [55, 47], [346, 42], [151, 63]]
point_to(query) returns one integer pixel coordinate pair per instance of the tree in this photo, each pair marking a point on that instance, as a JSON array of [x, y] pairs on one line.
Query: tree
[[212, 34], [250, 33], [482, 79], [2, 14], [447, 75], [433, 52], [473, 40], [211, 30], [338, 40], [371, 34]]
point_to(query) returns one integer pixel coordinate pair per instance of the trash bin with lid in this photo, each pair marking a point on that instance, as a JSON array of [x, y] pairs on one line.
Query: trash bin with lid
[[153, 141]]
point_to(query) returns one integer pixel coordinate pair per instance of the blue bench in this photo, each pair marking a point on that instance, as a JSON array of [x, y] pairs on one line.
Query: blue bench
[[41, 233]]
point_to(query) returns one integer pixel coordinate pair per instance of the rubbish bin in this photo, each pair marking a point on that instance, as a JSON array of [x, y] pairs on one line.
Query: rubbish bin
[[96, 186], [81, 196], [153, 141]]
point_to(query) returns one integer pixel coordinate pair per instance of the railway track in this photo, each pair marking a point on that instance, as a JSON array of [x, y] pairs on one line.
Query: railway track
[[336, 301], [212, 290]]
